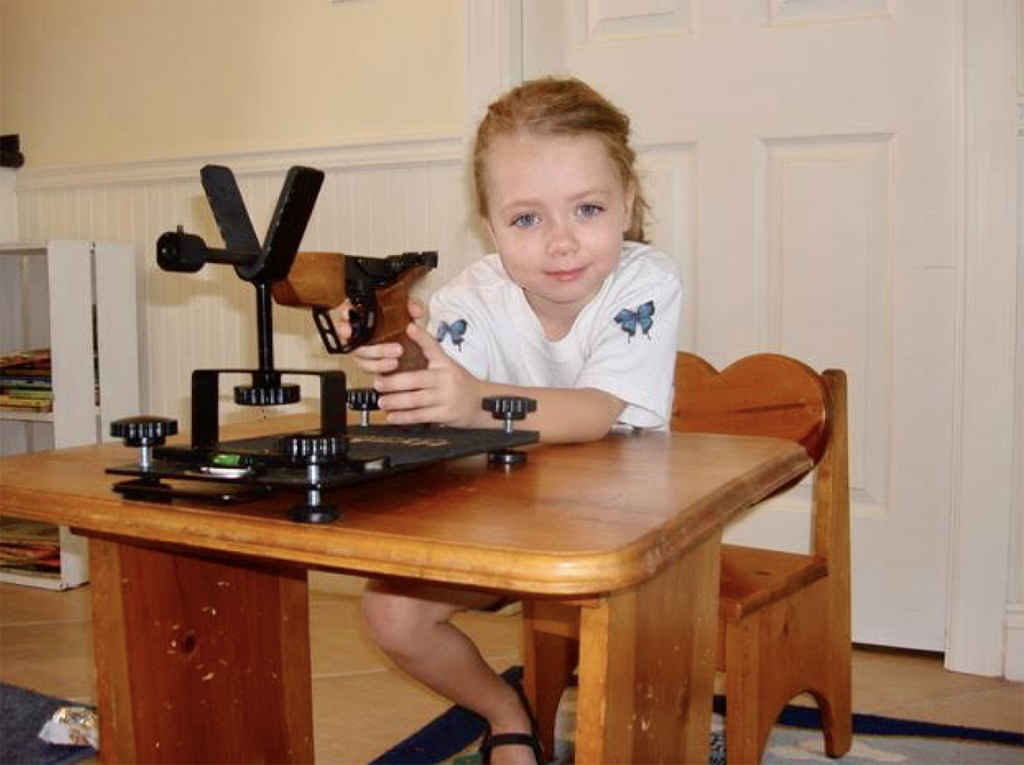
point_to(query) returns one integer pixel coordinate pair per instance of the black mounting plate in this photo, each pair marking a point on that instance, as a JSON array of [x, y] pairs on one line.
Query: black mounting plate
[[249, 468]]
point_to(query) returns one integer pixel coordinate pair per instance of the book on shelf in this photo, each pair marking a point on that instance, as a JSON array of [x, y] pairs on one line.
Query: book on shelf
[[27, 375], [40, 559], [29, 546], [29, 404], [26, 380], [18, 391], [26, 359]]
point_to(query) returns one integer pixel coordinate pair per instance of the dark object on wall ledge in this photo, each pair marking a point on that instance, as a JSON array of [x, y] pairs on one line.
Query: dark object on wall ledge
[[10, 151]]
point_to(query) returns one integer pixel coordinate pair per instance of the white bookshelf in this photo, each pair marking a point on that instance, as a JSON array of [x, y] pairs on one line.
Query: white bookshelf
[[49, 295]]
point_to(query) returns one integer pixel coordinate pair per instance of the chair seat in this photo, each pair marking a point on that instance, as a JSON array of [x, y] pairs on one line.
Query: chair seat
[[752, 578]]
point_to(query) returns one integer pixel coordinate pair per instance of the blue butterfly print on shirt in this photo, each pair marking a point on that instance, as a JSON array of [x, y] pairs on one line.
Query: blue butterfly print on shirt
[[628, 320], [456, 331]]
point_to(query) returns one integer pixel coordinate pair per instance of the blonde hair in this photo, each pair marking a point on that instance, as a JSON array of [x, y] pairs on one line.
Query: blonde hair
[[561, 107]]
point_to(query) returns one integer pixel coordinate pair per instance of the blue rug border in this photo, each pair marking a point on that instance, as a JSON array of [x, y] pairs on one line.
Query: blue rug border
[[454, 730], [877, 725]]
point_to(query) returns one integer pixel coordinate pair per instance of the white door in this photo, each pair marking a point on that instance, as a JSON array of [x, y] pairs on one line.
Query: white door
[[800, 157]]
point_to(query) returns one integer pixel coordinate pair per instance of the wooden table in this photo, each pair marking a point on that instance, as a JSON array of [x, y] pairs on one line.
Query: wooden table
[[201, 619]]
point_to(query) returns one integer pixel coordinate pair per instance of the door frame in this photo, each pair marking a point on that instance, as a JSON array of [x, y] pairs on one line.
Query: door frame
[[984, 495], [986, 445]]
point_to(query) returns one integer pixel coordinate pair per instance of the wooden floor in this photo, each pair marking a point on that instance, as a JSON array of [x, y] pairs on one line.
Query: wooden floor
[[362, 705]]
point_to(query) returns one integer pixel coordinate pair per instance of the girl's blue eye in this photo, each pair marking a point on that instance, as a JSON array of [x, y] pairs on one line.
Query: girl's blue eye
[[589, 210], [526, 219]]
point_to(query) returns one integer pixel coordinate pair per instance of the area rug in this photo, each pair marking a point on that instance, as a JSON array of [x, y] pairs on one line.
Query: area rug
[[22, 714], [796, 739]]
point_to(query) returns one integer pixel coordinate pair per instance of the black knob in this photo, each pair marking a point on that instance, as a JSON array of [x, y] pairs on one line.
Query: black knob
[[509, 407], [313, 447], [362, 399], [178, 251], [143, 430], [270, 395]]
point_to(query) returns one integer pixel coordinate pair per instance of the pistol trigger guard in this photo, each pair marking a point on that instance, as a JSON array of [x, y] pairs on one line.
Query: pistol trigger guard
[[363, 321], [328, 332]]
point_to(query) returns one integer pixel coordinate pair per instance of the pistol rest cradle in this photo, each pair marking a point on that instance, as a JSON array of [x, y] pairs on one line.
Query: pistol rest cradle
[[333, 455]]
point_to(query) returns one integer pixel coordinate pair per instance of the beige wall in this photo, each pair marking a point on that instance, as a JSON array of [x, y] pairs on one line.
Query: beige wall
[[93, 81]]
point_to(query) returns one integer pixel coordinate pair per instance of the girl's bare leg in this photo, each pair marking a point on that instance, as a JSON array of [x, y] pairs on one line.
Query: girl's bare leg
[[411, 625]]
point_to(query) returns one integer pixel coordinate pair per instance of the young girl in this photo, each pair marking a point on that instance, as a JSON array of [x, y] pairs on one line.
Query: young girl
[[571, 310]]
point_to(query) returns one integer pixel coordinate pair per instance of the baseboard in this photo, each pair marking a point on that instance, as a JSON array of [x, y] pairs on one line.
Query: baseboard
[[1013, 660]]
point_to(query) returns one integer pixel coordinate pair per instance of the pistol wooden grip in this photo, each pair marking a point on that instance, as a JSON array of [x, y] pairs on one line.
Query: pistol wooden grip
[[393, 317]]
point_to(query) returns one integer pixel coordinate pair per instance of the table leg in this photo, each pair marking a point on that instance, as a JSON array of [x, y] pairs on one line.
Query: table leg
[[647, 667], [550, 656], [199, 659]]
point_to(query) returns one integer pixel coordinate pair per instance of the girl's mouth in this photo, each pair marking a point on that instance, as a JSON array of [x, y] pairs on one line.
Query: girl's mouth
[[565, 275]]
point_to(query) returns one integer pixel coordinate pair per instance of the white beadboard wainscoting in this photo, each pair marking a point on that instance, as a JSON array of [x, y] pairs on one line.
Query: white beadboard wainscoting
[[378, 198]]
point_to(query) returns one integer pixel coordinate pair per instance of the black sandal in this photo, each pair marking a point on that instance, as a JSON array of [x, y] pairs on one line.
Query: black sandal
[[530, 739]]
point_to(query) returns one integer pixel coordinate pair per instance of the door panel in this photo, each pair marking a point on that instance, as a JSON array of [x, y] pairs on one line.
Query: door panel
[[800, 159]]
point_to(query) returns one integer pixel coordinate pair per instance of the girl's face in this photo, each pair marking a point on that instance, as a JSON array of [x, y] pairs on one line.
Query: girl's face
[[557, 211]]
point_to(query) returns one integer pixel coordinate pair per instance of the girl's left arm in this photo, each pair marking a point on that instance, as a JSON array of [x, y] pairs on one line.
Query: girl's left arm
[[447, 394]]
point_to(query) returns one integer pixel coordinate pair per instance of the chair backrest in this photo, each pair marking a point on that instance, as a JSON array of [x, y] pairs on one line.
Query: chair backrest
[[768, 394]]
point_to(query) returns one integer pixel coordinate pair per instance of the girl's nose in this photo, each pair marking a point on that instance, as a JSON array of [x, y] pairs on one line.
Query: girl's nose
[[561, 239]]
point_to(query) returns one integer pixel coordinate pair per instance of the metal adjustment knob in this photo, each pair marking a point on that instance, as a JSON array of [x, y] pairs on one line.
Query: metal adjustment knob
[[272, 395], [313, 449], [508, 409], [364, 401], [144, 432]]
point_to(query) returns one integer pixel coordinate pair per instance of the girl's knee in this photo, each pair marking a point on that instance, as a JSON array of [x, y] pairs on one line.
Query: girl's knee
[[398, 623]]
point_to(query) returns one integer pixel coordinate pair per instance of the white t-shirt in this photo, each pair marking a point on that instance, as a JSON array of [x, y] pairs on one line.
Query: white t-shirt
[[623, 342]]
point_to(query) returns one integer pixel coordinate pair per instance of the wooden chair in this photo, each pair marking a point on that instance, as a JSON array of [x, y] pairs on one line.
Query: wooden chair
[[784, 618]]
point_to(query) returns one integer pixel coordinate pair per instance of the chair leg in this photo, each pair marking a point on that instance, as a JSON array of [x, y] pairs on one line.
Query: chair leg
[[745, 738], [835, 701], [792, 646], [827, 674], [550, 656], [835, 723]]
